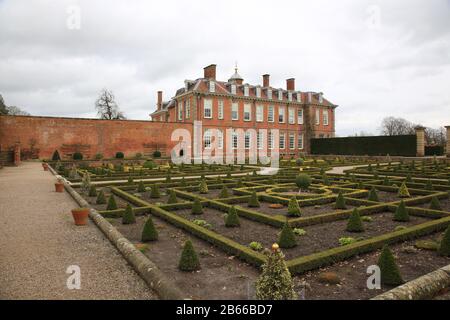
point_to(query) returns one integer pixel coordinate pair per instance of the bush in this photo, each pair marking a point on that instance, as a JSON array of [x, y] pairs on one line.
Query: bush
[[232, 218], [386, 181], [197, 207], [294, 208], [224, 193], [112, 205], [253, 202], [346, 241], [255, 246], [203, 187], [390, 274], [299, 162], [98, 156], [77, 156], [189, 260], [303, 181], [299, 231], [275, 281], [435, 204], [373, 196], [130, 180], [408, 178], [202, 223], [56, 156], [149, 164], [403, 191], [401, 213], [354, 223], [157, 154], [172, 197], [141, 186], [149, 233], [101, 198], [340, 201], [128, 216], [138, 155], [444, 246], [429, 185], [92, 191], [120, 155], [154, 191], [287, 237]]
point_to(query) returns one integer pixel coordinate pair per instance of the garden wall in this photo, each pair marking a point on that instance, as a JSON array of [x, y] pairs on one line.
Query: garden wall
[[39, 137], [404, 145]]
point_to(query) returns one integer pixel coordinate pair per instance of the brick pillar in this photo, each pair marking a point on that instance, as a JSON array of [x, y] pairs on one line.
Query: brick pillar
[[17, 154], [447, 148], [420, 141]]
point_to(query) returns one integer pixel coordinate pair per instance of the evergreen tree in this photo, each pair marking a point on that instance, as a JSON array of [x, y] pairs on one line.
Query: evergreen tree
[[224, 193], [56, 156], [354, 223], [130, 180], [189, 259], [294, 208], [408, 178], [149, 233], [287, 237], [101, 198], [112, 205], [390, 274], [92, 191], [373, 196], [168, 178], [444, 246], [275, 281], [197, 207], [253, 202], [386, 181], [429, 185], [403, 191], [141, 186], [154, 191], [203, 188], [128, 216], [172, 197], [401, 213], [435, 204], [340, 201], [183, 182], [232, 218]]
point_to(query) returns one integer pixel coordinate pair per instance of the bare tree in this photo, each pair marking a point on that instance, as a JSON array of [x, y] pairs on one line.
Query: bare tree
[[396, 126], [107, 107], [16, 111], [3, 109], [435, 136]]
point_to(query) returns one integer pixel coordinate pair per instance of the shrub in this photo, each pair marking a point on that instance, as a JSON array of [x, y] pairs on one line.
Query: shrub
[[299, 231], [56, 156], [390, 274], [92, 191], [303, 181], [197, 207], [398, 228], [401, 213], [154, 191], [255, 246], [183, 182], [253, 202], [275, 281], [429, 185], [128, 216], [232, 218], [98, 156], [224, 193], [366, 219], [354, 223], [138, 155], [149, 164], [299, 162], [408, 178], [112, 205], [403, 191], [202, 223], [149, 233], [130, 180], [157, 154], [435, 204], [189, 259], [346, 241], [101, 198], [120, 155], [386, 181], [373, 196], [287, 237], [141, 186], [444, 246], [340, 201], [294, 208], [203, 187], [77, 156], [172, 197]]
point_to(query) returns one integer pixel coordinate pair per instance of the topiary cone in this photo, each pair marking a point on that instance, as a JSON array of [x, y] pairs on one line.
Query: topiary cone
[[101, 198], [141, 186], [172, 197], [294, 208], [429, 185], [340, 201], [287, 237], [130, 180], [189, 259], [224, 193], [401, 213], [154, 191], [197, 207], [354, 223], [92, 191], [149, 233], [112, 205], [444, 246], [232, 218], [128, 216], [373, 196], [203, 188], [390, 274], [253, 202], [435, 204], [403, 191]]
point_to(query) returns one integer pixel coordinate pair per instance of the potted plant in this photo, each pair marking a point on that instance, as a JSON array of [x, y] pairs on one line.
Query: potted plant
[[45, 166], [59, 185], [80, 215]]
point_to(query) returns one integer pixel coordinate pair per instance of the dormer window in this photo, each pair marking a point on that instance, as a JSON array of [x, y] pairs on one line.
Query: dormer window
[[269, 93], [233, 89], [258, 92], [280, 95], [186, 86], [290, 96], [299, 97], [320, 98], [212, 86], [246, 91]]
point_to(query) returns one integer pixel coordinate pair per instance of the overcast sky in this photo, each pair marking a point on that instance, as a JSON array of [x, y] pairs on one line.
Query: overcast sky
[[372, 58]]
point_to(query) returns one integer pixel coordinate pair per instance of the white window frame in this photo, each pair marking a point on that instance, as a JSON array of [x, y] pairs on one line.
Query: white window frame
[[233, 89], [246, 90], [187, 108], [292, 141], [247, 140], [220, 109], [281, 114], [219, 139], [271, 114], [259, 113], [258, 92], [325, 117], [269, 93], [259, 138], [207, 139], [299, 97], [247, 112], [280, 95], [317, 117], [212, 86], [300, 141], [290, 96], [234, 111], [300, 116], [270, 140], [180, 111], [282, 141], [234, 140], [207, 106], [291, 115]]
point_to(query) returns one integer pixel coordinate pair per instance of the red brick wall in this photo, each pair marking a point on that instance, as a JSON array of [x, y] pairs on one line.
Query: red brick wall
[[41, 136]]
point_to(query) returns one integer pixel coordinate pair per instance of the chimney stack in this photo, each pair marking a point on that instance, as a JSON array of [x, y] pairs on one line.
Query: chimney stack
[[159, 103], [210, 72], [266, 80], [290, 84]]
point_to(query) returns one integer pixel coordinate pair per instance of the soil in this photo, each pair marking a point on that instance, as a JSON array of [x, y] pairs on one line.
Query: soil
[[445, 204], [121, 204], [318, 237], [212, 193], [384, 196], [221, 277]]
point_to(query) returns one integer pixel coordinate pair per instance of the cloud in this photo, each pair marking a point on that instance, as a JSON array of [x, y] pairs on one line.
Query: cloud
[[372, 58]]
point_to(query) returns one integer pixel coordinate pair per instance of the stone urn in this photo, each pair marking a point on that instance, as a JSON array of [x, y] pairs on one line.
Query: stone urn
[[80, 216]]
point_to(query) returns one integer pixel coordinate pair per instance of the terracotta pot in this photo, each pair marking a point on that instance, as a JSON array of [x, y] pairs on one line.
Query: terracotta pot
[[45, 166], [59, 187], [80, 216]]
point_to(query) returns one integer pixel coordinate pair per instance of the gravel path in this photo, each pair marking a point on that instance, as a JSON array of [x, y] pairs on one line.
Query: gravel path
[[38, 241]]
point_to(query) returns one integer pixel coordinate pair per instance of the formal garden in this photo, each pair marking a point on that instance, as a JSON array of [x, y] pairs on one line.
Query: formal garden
[[210, 228]]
